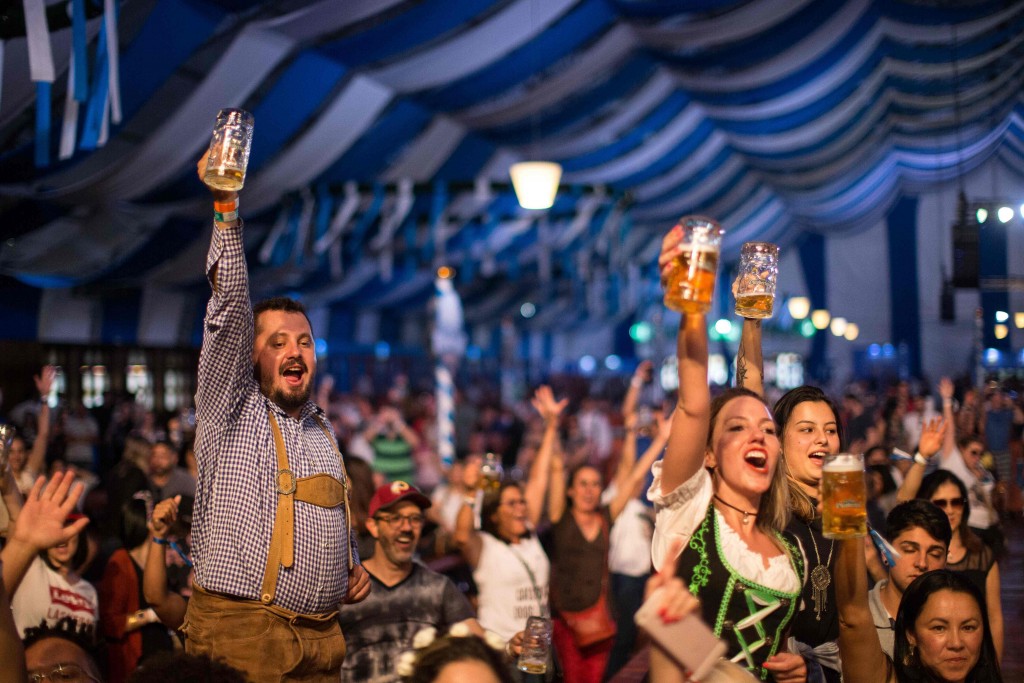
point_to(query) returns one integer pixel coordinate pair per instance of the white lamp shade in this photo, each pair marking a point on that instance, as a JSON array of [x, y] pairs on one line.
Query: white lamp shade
[[535, 183], [838, 326], [820, 318], [799, 307]]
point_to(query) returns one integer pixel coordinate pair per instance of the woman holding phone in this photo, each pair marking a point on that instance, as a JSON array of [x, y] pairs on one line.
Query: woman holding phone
[[721, 492]]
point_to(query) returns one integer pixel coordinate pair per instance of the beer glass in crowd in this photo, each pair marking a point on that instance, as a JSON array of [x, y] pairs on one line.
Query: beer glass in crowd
[[755, 284], [7, 433], [691, 282], [843, 497], [490, 473], [536, 645], [229, 150]]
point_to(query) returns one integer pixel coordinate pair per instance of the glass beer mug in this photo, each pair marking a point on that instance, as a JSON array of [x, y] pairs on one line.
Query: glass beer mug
[[229, 150], [490, 473], [691, 282], [843, 497], [755, 283]]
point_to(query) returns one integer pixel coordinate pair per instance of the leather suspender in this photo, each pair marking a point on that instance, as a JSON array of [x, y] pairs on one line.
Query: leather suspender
[[322, 490]]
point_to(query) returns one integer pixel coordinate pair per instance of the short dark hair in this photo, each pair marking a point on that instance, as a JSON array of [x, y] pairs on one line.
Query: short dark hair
[[78, 633], [919, 513], [908, 665], [177, 666], [449, 649], [279, 303], [964, 441]]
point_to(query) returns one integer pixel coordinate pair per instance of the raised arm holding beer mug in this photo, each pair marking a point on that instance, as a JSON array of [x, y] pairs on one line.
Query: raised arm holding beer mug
[[745, 571], [272, 541]]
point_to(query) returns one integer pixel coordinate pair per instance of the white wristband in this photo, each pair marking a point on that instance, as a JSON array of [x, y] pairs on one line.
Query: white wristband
[[920, 459]]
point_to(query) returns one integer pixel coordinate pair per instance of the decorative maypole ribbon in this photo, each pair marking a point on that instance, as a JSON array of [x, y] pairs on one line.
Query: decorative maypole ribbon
[[445, 399], [449, 344]]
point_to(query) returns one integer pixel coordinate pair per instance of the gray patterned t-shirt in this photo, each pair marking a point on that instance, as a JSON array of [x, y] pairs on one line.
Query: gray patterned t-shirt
[[381, 627]]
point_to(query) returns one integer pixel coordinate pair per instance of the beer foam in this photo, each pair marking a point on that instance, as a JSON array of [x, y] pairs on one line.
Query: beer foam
[[844, 463], [699, 247]]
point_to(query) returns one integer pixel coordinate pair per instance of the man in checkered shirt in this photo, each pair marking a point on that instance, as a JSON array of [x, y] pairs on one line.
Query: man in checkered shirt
[[273, 550]]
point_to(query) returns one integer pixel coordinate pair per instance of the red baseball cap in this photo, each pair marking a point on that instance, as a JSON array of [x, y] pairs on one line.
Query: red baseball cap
[[397, 491]]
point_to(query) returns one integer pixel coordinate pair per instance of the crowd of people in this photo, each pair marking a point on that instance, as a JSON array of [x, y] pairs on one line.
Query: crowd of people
[[280, 534]]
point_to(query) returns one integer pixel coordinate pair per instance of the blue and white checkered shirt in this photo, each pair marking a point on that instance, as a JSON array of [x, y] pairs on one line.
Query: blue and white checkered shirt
[[236, 495]]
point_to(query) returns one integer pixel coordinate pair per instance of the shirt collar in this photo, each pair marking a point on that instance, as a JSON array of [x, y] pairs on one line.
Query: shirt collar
[[309, 410]]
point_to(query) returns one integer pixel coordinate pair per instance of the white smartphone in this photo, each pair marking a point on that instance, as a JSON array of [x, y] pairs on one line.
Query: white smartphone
[[689, 641]]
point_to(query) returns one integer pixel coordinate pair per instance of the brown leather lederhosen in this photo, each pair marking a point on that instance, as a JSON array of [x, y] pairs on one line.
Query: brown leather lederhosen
[[319, 489]]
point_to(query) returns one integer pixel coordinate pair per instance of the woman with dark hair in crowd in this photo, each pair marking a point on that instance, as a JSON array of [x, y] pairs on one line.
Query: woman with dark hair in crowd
[[454, 659], [941, 631], [967, 554], [811, 429], [132, 630], [43, 581], [510, 567], [721, 491], [579, 547]]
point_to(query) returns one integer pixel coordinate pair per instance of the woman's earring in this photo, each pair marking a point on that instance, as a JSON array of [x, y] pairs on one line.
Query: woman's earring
[[908, 659]]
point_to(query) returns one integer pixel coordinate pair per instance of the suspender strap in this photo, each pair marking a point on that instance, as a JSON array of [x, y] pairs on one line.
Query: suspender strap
[[344, 474], [322, 490]]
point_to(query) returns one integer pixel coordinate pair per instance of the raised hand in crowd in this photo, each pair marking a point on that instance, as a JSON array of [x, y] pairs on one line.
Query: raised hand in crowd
[[932, 435], [41, 524], [168, 605]]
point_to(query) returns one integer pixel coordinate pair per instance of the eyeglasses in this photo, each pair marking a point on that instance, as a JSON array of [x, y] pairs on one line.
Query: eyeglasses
[[948, 502], [514, 503], [415, 521], [65, 673]]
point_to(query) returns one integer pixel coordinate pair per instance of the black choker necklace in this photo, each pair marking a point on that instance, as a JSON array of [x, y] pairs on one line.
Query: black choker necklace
[[746, 515]]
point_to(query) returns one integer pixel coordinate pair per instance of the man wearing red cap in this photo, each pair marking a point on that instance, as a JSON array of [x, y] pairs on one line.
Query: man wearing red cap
[[405, 596]]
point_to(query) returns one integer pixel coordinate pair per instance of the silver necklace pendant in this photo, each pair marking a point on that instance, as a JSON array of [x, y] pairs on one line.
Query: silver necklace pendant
[[820, 580]]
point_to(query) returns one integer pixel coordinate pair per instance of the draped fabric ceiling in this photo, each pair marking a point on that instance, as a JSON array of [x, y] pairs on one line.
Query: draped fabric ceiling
[[384, 132]]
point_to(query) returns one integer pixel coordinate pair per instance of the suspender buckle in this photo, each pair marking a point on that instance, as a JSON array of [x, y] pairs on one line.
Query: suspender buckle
[[286, 482]]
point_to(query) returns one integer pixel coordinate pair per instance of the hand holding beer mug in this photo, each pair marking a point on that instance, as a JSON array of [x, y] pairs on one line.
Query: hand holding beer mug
[[843, 497], [229, 150], [536, 646], [689, 280], [755, 283]]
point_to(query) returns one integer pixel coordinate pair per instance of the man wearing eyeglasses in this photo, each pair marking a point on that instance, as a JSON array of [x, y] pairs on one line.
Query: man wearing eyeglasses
[[57, 653], [405, 595], [919, 533]]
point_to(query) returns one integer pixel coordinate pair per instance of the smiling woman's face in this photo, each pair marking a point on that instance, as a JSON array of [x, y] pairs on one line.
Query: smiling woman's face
[[744, 447], [810, 433]]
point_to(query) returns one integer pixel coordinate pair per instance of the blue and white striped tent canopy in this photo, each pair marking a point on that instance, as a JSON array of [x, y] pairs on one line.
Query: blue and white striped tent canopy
[[385, 129]]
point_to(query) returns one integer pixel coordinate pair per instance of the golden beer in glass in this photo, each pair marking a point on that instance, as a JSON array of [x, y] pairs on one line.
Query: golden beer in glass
[[843, 497], [755, 282], [690, 284], [229, 150], [490, 473]]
